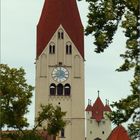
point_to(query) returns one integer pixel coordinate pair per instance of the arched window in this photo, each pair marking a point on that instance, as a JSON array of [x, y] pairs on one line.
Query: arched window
[[52, 48], [52, 89], [97, 139], [67, 90], [62, 133], [68, 48], [60, 90], [60, 34]]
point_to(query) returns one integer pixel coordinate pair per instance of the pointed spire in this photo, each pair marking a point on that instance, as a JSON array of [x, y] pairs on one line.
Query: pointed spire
[[97, 109], [89, 102], [54, 14], [107, 107], [98, 93], [89, 107], [106, 101]]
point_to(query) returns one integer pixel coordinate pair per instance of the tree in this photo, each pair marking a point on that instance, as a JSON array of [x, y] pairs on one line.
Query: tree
[[53, 116], [15, 98], [104, 18]]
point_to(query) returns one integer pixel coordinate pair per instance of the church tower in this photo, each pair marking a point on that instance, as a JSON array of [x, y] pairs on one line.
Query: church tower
[[97, 123], [60, 64]]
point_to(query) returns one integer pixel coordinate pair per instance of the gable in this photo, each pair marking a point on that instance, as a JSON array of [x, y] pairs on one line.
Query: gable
[[54, 14]]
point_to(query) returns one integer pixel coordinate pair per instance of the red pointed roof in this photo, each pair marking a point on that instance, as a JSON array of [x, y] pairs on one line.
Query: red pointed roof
[[107, 108], [54, 14], [97, 110], [119, 133], [89, 108]]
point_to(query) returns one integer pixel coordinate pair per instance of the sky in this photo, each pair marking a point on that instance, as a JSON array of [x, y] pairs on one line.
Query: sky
[[19, 19]]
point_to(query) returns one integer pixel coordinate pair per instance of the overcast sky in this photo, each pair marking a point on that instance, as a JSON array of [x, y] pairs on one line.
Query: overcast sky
[[18, 48]]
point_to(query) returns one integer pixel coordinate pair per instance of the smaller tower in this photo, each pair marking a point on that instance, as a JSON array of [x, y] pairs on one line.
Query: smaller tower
[[97, 123]]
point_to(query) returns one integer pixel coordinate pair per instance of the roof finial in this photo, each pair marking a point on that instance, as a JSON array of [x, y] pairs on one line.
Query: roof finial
[[89, 102], [106, 101], [98, 93]]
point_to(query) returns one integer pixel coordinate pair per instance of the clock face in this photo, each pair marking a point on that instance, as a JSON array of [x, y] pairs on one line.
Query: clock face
[[60, 74]]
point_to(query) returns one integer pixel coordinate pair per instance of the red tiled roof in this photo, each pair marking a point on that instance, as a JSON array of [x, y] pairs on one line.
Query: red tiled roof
[[119, 133], [89, 108], [54, 14], [107, 108], [98, 109]]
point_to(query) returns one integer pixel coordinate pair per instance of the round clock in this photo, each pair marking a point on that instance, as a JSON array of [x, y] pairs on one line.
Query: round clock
[[60, 74]]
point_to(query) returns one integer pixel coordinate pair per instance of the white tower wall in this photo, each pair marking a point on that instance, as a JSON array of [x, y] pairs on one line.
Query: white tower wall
[[73, 104], [96, 129]]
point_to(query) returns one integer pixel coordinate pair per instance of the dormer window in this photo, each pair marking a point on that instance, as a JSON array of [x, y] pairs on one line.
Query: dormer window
[[60, 34], [68, 48], [52, 48]]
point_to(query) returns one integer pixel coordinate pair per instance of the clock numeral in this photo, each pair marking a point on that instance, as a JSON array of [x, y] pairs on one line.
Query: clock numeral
[[66, 76]]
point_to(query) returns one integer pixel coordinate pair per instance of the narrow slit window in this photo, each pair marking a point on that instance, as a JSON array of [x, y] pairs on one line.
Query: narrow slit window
[[60, 34], [68, 49], [52, 49]]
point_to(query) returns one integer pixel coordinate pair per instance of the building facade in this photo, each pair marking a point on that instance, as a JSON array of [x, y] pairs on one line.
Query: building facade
[[60, 64], [98, 125]]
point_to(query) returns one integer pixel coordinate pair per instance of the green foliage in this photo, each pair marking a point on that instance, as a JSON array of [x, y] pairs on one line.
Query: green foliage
[[134, 129], [10, 136], [104, 17], [53, 116], [27, 135], [15, 98], [30, 136], [124, 109]]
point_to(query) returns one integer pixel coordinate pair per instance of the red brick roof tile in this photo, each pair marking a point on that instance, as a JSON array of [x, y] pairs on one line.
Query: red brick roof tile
[[97, 110], [54, 14], [107, 108], [89, 108], [119, 133]]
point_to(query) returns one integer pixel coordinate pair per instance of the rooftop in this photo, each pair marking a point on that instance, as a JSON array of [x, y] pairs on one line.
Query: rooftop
[[119, 133]]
